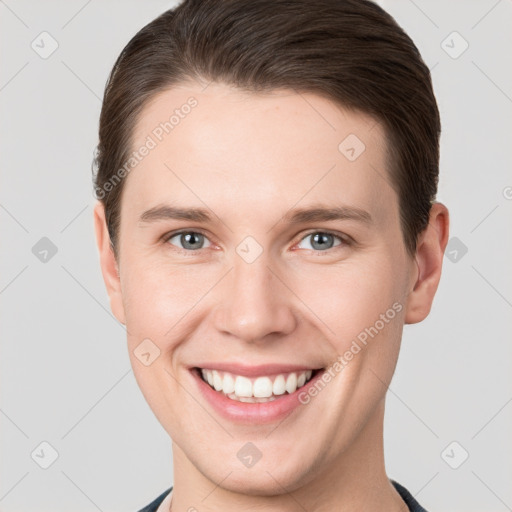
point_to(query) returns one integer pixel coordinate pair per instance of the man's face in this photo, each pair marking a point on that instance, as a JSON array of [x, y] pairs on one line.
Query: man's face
[[253, 295]]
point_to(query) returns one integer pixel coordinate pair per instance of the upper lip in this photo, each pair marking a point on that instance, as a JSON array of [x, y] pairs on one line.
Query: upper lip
[[255, 371]]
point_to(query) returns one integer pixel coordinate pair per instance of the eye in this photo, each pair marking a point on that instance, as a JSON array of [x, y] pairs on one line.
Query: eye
[[323, 240], [189, 240]]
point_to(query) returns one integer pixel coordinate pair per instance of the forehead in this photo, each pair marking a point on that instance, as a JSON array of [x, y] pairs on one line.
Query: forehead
[[259, 152]]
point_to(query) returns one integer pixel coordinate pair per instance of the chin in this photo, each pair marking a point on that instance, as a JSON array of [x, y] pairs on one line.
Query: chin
[[271, 478]]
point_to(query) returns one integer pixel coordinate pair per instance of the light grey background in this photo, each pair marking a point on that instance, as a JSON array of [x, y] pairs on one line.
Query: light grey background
[[65, 373]]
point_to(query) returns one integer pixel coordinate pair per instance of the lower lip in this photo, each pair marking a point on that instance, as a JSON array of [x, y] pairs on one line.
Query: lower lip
[[244, 412]]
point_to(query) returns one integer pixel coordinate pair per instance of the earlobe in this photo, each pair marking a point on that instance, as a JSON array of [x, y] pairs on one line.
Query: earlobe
[[108, 263], [429, 260]]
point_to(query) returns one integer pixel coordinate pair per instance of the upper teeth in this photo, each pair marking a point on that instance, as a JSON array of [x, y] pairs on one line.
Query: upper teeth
[[259, 387]]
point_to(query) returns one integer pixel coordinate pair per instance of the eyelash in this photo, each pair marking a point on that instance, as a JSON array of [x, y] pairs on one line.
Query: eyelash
[[344, 239]]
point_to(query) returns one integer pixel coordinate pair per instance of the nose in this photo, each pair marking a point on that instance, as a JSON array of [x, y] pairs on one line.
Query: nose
[[255, 303]]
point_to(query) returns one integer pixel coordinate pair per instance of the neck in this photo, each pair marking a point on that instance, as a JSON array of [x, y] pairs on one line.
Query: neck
[[355, 480]]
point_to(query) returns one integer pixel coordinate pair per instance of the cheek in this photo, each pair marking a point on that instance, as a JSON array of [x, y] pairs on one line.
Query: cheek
[[158, 300], [163, 302], [350, 298], [157, 306]]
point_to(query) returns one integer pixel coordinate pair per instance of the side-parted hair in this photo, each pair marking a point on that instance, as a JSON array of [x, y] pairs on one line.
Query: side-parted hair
[[349, 51]]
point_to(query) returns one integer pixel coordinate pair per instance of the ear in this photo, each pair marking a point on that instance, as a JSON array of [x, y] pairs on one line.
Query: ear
[[429, 260], [109, 266]]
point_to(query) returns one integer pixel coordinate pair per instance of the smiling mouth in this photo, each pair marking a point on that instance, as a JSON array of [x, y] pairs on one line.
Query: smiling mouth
[[255, 390]]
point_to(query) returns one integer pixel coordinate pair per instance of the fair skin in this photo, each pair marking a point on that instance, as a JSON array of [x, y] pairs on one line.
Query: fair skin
[[249, 160]]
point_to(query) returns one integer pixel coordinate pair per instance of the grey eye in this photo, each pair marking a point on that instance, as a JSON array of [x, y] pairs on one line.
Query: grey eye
[[322, 241], [190, 240]]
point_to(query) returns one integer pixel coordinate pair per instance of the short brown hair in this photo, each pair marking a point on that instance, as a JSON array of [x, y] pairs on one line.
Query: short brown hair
[[349, 51]]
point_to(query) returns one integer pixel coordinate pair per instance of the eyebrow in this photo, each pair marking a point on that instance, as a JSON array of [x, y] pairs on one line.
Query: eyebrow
[[293, 216]]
